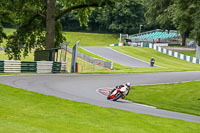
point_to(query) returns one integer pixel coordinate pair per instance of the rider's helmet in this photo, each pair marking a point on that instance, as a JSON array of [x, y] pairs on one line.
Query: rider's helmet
[[128, 84]]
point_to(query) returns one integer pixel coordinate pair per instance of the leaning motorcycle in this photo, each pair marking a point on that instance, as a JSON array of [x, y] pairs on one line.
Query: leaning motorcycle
[[115, 94]]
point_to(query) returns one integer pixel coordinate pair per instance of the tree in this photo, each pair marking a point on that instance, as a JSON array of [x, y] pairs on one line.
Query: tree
[[181, 14], [39, 22], [4, 18], [123, 18], [159, 13], [182, 18]]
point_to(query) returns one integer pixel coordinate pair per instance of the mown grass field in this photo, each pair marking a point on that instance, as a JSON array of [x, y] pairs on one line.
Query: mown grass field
[[180, 97], [167, 62], [28, 112], [91, 39]]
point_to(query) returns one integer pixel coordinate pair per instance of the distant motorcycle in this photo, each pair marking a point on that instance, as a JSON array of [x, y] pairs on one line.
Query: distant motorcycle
[[152, 62]]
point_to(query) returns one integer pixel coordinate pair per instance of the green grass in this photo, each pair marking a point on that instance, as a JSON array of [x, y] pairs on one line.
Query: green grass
[[3, 56], [190, 53], [9, 31], [27, 112], [180, 97], [91, 39], [170, 63]]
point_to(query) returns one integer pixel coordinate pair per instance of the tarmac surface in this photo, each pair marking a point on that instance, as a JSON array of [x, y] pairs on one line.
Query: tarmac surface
[[86, 88], [120, 58]]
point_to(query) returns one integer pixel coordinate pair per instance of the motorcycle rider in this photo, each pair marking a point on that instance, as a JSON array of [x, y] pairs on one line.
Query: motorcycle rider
[[152, 62], [125, 89]]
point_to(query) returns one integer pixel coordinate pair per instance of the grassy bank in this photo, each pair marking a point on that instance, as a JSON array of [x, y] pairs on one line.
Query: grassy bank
[[169, 63], [91, 39], [181, 97], [190, 53], [24, 111]]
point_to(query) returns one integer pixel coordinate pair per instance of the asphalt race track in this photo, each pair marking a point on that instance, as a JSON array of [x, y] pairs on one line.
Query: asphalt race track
[[118, 57], [85, 88]]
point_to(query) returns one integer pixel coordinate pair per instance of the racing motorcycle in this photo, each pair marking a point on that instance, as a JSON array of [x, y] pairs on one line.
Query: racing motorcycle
[[116, 93]]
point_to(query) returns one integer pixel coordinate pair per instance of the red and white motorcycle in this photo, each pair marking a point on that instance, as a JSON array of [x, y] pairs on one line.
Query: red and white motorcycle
[[118, 92]]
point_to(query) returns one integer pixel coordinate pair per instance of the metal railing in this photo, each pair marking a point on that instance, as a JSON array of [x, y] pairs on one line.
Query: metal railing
[[93, 60]]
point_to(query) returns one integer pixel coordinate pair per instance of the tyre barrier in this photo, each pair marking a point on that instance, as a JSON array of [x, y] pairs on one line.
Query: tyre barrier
[[28, 66], [8, 66], [1, 66]]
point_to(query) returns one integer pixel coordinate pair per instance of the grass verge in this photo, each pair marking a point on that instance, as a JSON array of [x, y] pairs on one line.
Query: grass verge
[[168, 62], [180, 97], [190, 53], [24, 111]]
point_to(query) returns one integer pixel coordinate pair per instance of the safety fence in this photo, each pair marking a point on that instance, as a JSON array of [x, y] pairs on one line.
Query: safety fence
[[93, 60], [11, 66], [171, 53]]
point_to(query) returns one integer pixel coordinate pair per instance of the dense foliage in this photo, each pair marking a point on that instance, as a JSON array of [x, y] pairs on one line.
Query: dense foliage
[[39, 22], [183, 15], [121, 18]]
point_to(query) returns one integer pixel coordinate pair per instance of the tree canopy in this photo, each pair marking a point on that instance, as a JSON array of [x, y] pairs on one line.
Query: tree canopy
[[180, 14], [39, 22]]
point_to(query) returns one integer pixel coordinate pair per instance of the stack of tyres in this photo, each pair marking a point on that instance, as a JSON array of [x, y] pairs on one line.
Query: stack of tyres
[[28, 66], [1, 66], [56, 67]]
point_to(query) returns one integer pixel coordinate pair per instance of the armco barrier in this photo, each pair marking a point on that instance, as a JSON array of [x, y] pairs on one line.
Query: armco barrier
[[172, 53], [8, 66], [93, 60]]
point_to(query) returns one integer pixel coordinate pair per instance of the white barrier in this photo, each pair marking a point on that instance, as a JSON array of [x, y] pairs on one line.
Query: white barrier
[[63, 67], [44, 66], [174, 54], [12, 66]]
